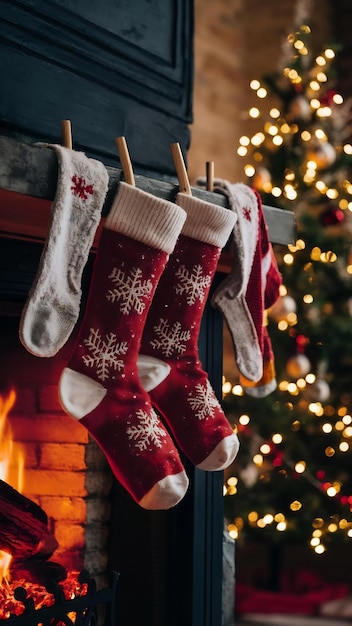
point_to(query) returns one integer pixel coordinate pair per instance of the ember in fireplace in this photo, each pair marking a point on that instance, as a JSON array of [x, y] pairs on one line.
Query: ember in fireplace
[[73, 602]]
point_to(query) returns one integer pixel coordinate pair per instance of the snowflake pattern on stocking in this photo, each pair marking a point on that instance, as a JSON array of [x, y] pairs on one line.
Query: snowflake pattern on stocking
[[204, 401], [170, 340], [104, 353], [148, 433], [247, 213], [130, 290], [80, 187], [193, 283]]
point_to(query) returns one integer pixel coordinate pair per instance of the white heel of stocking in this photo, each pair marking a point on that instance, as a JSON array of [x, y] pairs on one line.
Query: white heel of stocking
[[151, 371], [79, 394]]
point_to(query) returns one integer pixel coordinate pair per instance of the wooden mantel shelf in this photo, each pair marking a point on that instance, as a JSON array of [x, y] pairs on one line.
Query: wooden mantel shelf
[[28, 177]]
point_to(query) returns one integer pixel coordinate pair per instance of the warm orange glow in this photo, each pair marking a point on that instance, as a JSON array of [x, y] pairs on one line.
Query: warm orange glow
[[11, 453], [11, 467]]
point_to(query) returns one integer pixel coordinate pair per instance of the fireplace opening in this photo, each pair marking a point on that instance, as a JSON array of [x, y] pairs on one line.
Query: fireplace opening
[[55, 482]]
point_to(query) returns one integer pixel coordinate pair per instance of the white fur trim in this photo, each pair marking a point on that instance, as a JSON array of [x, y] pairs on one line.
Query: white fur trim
[[230, 296], [244, 203], [53, 304]]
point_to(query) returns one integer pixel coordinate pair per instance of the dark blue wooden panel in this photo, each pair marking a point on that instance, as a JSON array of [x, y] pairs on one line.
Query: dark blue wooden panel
[[113, 68], [208, 493]]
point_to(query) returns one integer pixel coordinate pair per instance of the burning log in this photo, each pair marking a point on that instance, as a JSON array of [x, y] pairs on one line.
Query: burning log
[[24, 529]]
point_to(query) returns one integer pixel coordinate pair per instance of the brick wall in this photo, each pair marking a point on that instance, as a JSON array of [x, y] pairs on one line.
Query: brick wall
[[235, 41]]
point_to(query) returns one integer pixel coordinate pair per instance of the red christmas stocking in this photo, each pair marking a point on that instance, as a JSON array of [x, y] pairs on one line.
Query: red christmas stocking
[[185, 399], [100, 386]]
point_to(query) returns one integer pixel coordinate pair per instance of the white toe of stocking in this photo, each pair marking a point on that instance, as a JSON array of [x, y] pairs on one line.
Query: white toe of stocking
[[222, 456], [166, 493]]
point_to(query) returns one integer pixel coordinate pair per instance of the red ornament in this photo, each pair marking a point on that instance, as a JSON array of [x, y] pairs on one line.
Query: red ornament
[[332, 216], [277, 461], [301, 342], [328, 98]]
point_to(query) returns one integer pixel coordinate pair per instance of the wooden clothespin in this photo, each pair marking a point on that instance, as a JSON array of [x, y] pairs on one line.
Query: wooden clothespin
[[66, 134], [180, 167], [209, 168], [124, 156]]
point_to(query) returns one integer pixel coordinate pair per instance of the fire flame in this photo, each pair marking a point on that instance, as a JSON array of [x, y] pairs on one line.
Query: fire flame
[[11, 466], [11, 454], [5, 560]]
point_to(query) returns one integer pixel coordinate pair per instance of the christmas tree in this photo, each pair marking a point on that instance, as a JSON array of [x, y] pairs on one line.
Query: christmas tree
[[293, 476]]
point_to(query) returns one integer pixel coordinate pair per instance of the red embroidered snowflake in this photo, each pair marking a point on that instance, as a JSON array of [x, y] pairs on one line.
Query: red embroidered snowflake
[[247, 213], [80, 188]]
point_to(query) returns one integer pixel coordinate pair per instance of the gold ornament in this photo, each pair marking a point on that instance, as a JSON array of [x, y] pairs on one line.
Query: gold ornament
[[298, 366]]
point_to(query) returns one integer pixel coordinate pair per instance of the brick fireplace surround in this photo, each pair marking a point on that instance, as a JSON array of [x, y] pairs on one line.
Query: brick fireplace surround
[[65, 471]]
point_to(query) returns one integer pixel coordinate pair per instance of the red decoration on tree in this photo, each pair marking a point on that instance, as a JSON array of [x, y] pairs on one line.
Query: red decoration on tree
[[332, 216], [328, 98], [301, 342], [277, 461]]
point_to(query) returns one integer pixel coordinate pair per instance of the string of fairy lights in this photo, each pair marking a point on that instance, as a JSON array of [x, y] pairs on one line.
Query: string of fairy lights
[[271, 447], [303, 122], [281, 128]]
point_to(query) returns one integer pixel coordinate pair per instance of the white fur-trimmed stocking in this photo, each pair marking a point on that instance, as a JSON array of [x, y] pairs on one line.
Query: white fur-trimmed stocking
[[251, 287], [53, 304], [185, 398], [100, 386]]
